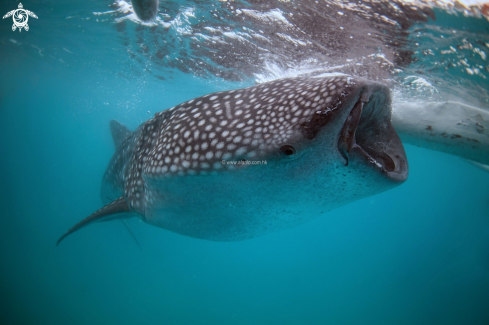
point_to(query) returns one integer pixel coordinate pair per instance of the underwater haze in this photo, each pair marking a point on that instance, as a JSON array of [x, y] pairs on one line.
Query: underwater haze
[[416, 254]]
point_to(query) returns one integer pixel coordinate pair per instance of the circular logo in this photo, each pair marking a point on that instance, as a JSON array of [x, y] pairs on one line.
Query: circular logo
[[20, 18]]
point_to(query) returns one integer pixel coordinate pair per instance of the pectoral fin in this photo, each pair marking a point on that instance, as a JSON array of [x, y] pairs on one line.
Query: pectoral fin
[[117, 209]]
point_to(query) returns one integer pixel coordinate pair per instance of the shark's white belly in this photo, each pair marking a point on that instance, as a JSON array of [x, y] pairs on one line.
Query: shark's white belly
[[248, 203]]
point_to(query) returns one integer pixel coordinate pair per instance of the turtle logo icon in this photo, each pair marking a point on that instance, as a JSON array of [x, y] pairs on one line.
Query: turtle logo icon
[[20, 17]]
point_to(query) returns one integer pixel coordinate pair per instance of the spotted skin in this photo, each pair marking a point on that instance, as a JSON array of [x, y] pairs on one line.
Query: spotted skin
[[179, 170], [196, 136]]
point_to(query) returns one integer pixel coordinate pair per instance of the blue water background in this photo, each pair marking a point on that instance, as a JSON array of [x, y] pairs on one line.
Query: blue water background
[[417, 254]]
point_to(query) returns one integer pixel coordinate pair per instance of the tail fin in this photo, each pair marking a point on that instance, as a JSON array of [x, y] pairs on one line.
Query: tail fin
[[111, 211], [119, 132]]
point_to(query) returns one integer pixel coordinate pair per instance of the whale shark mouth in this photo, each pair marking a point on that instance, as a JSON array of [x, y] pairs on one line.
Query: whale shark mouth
[[369, 135]]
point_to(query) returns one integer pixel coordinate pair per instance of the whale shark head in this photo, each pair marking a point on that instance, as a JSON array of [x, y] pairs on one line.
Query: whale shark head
[[242, 163], [332, 118]]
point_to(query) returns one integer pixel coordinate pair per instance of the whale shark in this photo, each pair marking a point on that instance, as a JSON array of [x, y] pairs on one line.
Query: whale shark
[[238, 164]]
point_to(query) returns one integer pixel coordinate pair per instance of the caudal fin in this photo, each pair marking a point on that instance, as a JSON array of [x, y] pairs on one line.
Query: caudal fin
[[117, 209]]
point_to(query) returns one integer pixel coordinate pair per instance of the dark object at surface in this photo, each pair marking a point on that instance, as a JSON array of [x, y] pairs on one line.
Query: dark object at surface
[[146, 10]]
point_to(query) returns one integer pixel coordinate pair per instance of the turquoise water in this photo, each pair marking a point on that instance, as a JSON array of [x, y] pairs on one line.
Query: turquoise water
[[417, 254]]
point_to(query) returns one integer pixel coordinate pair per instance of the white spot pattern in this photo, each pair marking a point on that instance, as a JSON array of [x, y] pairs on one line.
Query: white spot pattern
[[193, 137]]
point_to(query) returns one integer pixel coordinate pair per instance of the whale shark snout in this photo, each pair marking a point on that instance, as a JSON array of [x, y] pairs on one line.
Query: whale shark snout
[[368, 135]]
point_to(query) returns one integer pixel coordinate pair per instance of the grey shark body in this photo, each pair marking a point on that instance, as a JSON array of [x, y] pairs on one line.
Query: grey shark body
[[239, 164]]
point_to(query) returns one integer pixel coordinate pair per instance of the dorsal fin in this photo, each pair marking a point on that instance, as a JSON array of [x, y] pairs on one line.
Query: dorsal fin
[[119, 132], [108, 212]]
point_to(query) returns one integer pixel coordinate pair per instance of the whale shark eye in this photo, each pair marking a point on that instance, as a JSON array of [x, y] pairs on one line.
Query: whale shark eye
[[287, 151]]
